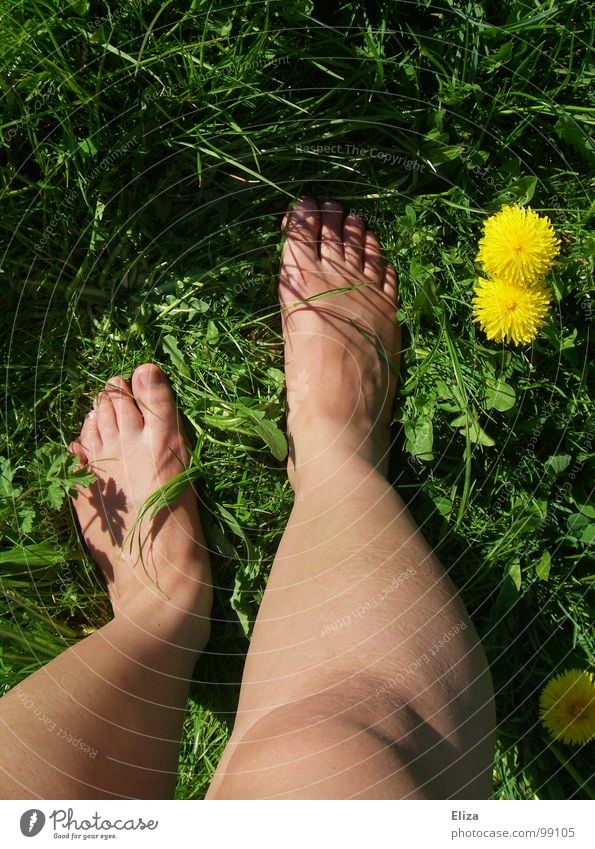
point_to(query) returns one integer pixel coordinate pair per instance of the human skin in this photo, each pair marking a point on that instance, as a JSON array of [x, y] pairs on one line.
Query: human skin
[[365, 677]]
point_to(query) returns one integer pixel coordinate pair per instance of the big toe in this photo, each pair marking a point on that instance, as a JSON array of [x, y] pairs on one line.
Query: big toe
[[155, 398], [303, 224]]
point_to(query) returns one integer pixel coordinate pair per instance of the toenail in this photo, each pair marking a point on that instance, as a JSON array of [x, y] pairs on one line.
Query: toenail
[[151, 377]]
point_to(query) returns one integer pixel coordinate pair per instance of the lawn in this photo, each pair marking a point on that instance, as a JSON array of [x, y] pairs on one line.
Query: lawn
[[148, 151]]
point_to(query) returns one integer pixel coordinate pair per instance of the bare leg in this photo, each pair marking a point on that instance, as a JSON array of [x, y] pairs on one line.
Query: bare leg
[[103, 720], [365, 677]]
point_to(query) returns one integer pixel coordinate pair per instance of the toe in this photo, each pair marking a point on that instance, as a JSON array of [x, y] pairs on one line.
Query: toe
[[373, 262], [107, 423], [77, 449], [90, 438], [389, 283], [354, 235], [128, 415], [303, 225], [155, 398], [331, 231]]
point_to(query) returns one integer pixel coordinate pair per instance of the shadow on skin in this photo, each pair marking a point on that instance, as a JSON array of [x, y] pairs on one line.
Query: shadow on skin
[[109, 505], [110, 508], [324, 747]]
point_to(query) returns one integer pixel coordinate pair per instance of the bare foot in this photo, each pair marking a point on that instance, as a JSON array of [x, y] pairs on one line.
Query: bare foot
[[341, 348], [157, 573]]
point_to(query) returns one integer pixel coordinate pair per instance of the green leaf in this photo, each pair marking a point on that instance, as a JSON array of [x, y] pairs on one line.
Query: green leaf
[[420, 438], [569, 131], [586, 509], [78, 7], [170, 346], [26, 518], [499, 395], [54, 495], [78, 477], [469, 421], [558, 462], [237, 604], [410, 213], [25, 557], [271, 434], [502, 56], [426, 298], [418, 271], [443, 505], [212, 334], [576, 522], [581, 528], [529, 514], [244, 599], [277, 376], [479, 436], [523, 189], [87, 147], [7, 489], [514, 573], [542, 567]]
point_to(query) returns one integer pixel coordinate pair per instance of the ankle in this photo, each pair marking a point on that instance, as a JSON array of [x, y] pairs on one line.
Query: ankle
[[161, 646], [178, 620], [327, 448]]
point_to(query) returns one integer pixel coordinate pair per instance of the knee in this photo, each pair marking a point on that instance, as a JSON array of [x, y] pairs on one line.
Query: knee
[[315, 749]]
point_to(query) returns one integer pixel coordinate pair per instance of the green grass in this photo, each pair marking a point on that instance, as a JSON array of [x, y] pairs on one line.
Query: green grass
[[148, 151]]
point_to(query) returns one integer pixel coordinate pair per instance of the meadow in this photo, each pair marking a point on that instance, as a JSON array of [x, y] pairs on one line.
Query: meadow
[[148, 151]]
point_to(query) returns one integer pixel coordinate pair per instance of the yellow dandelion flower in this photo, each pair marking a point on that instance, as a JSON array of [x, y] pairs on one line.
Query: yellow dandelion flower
[[518, 245], [567, 707], [510, 312]]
